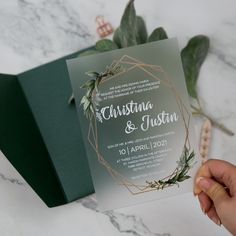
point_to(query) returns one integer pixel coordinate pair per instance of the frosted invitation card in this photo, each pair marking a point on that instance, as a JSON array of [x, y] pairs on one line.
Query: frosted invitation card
[[136, 123]]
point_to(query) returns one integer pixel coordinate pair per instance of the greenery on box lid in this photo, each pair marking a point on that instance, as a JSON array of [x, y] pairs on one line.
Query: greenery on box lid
[[132, 31]]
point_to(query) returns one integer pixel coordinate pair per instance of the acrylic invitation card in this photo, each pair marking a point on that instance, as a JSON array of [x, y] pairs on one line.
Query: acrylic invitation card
[[136, 122]]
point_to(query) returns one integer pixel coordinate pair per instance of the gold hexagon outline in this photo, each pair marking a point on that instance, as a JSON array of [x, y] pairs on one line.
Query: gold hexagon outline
[[93, 123]]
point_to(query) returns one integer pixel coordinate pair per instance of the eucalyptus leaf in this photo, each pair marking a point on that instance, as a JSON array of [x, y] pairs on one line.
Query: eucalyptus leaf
[[184, 178], [92, 73], [141, 30], [117, 37], [86, 103], [88, 52], [128, 26], [91, 109], [175, 178], [191, 156], [193, 55], [88, 84], [104, 45], [184, 172], [83, 100], [157, 34], [89, 92], [96, 84]]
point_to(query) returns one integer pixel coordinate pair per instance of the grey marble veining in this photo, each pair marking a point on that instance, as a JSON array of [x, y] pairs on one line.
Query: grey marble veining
[[223, 57], [130, 224], [42, 31], [11, 180]]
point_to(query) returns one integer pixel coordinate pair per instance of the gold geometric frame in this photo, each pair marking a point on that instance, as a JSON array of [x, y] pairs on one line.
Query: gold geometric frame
[[93, 135]]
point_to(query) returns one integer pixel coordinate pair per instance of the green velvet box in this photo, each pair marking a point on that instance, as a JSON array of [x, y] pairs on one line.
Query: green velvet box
[[40, 133]]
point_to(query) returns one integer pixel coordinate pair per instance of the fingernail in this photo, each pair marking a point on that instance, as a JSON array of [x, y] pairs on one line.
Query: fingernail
[[203, 183], [198, 179], [216, 221], [203, 210]]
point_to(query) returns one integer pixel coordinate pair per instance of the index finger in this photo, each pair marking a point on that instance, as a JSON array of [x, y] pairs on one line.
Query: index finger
[[221, 171]]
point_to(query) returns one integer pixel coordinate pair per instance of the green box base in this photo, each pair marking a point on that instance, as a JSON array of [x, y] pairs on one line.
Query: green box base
[[40, 133]]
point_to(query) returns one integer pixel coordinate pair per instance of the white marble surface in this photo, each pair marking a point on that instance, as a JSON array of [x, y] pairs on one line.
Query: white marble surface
[[37, 31]]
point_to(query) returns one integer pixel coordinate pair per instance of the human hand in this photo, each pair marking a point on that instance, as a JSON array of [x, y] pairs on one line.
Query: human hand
[[215, 187]]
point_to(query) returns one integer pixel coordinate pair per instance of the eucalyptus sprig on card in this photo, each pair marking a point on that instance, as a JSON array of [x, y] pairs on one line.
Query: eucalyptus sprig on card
[[92, 85], [132, 31], [180, 174]]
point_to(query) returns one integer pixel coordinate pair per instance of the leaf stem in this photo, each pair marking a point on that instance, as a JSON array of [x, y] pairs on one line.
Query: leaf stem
[[199, 111], [198, 102]]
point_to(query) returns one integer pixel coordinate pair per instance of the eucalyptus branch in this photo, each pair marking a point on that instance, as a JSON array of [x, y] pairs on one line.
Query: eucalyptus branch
[[180, 174], [199, 111], [92, 85]]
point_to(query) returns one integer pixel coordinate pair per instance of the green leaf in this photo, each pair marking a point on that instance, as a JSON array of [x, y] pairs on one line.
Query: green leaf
[[191, 157], [184, 172], [104, 45], [88, 52], [83, 100], [141, 30], [175, 178], [86, 104], [91, 109], [88, 84], [128, 29], [193, 55], [92, 73], [89, 93], [157, 34], [132, 30], [117, 37], [184, 178], [96, 84]]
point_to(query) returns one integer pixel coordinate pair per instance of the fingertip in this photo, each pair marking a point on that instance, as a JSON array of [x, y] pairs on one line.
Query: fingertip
[[205, 202], [199, 179], [216, 221], [204, 183], [203, 171], [212, 214], [197, 190]]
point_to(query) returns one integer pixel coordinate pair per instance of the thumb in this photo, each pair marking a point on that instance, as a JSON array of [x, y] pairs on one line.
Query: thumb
[[215, 191]]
